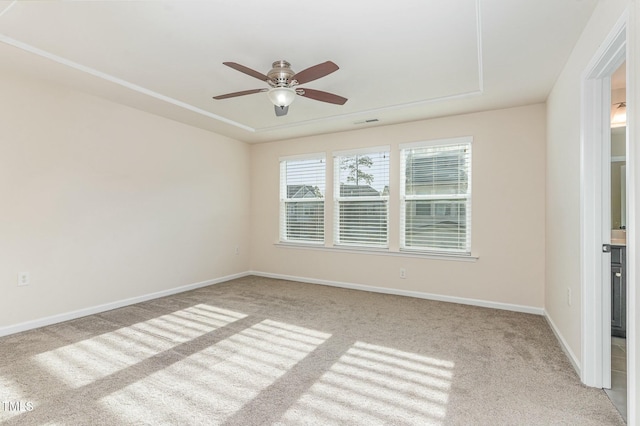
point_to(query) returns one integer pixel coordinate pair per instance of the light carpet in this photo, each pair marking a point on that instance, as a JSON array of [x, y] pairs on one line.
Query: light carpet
[[259, 351]]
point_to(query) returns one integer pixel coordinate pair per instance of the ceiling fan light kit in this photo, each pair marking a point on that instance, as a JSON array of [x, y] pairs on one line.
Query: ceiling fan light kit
[[281, 96], [284, 81]]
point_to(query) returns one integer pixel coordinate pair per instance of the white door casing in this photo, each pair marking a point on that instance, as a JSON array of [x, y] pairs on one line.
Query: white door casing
[[595, 215]]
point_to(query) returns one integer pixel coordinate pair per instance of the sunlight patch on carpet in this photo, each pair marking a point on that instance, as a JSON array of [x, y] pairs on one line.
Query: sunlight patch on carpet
[[376, 384], [13, 399], [81, 363], [219, 379]]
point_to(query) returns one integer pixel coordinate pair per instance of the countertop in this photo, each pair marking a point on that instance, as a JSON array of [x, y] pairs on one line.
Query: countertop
[[618, 237]]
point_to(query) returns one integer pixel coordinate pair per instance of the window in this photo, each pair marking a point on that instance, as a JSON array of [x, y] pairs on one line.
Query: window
[[361, 197], [436, 196], [302, 189]]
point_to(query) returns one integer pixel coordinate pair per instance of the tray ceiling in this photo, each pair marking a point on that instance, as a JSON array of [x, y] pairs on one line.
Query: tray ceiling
[[399, 61]]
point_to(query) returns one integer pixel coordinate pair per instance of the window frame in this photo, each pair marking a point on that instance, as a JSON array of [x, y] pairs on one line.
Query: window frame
[[338, 198], [467, 197], [284, 200]]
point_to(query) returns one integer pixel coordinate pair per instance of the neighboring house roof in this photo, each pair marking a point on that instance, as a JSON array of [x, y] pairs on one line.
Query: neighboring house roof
[[303, 191], [357, 191]]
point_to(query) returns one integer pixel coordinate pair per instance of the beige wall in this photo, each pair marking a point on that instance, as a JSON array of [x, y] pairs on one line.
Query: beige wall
[[101, 202], [616, 193], [618, 149], [507, 222], [563, 178]]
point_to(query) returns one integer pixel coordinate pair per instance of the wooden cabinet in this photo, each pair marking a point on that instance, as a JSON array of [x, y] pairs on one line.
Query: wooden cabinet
[[618, 291]]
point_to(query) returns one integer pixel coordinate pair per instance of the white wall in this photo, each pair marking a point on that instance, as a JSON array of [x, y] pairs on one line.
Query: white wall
[[101, 202], [563, 178], [563, 188], [507, 222]]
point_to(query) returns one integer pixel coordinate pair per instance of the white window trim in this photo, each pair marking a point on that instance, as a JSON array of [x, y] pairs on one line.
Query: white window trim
[[283, 200], [337, 199], [379, 251], [367, 150], [404, 198], [437, 142]]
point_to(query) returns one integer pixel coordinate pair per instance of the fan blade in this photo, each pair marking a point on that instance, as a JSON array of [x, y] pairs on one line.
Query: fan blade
[[247, 71], [319, 95], [280, 111], [234, 94], [315, 72]]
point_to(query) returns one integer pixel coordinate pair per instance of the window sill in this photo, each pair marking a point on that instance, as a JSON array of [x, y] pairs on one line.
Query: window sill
[[379, 252]]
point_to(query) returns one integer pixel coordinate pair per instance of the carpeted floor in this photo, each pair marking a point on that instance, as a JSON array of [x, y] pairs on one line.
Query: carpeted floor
[[257, 351]]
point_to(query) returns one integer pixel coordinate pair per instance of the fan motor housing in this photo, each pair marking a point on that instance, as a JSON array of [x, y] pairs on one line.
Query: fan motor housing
[[281, 73]]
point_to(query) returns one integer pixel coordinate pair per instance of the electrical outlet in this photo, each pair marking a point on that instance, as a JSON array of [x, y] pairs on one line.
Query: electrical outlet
[[569, 296], [237, 250], [403, 273], [23, 278]]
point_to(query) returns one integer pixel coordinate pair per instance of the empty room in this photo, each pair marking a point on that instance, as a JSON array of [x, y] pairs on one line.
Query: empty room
[[340, 213]]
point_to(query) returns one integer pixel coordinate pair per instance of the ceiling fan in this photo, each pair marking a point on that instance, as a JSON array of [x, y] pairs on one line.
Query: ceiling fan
[[284, 82]]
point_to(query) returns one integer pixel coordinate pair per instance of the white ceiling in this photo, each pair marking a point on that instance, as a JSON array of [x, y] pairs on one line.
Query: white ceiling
[[399, 61]]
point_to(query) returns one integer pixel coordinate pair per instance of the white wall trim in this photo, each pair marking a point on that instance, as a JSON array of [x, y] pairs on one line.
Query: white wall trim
[[58, 318], [633, 337], [398, 292], [379, 251], [594, 161], [6, 9], [564, 345], [115, 80]]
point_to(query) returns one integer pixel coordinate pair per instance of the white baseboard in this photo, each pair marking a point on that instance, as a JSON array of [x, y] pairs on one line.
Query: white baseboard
[[565, 347], [417, 294], [54, 319]]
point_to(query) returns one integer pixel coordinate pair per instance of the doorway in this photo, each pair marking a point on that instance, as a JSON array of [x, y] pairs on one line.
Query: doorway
[[596, 214], [618, 201]]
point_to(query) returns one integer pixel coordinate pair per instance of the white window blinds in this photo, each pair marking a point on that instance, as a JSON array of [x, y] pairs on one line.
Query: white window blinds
[[436, 197], [302, 189], [361, 198]]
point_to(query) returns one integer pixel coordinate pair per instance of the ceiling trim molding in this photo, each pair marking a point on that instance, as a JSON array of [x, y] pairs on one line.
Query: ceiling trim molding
[[110, 78], [479, 47], [148, 92], [6, 9], [372, 111], [422, 102]]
